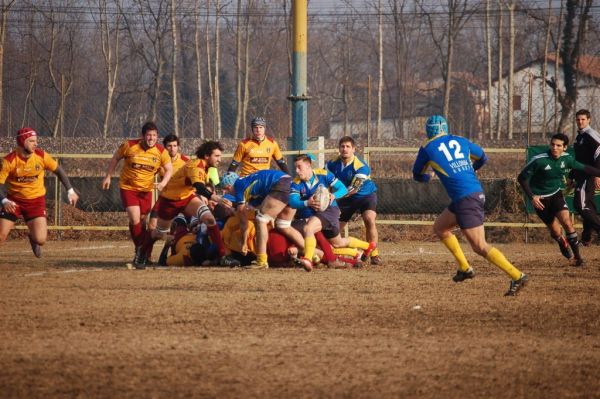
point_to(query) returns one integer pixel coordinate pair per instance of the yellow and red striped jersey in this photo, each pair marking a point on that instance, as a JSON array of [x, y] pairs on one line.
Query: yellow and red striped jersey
[[25, 176], [196, 171], [141, 165], [179, 187], [255, 155]]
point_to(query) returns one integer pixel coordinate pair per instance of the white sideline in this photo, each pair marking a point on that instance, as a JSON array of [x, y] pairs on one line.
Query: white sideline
[[36, 274], [80, 248]]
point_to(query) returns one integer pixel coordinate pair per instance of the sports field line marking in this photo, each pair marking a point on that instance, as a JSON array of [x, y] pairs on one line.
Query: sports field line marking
[[81, 248], [36, 274]]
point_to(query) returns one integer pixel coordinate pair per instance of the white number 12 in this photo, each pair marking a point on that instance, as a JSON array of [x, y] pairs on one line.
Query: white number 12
[[453, 144]]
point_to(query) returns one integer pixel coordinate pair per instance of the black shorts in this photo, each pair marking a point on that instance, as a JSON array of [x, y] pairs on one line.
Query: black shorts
[[469, 210], [350, 205], [552, 206], [330, 222], [281, 190]]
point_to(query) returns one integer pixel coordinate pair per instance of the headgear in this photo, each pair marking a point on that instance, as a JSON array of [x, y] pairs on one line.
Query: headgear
[[258, 121], [23, 134], [436, 125], [228, 179]]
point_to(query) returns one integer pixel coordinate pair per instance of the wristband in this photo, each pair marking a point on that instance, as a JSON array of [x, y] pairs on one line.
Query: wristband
[[70, 191], [5, 201]]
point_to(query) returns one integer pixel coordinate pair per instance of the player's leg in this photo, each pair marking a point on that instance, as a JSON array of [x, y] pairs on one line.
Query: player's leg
[[368, 210], [6, 225], [199, 207], [442, 227], [552, 206], [313, 225], [283, 223], [564, 218]]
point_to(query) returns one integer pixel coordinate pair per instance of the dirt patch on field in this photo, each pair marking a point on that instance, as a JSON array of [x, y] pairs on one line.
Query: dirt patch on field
[[79, 324]]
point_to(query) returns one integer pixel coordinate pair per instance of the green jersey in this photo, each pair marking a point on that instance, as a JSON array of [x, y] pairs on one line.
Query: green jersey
[[547, 175]]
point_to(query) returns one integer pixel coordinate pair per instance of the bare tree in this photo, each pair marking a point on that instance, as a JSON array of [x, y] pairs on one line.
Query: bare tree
[[109, 38], [197, 52], [380, 68], [500, 72], [574, 34], [4, 10], [488, 45], [174, 68], [511, 68]]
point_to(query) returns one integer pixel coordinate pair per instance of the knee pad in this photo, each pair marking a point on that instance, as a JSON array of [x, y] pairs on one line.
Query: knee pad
[[262, 218], [283, 224], [203, 211], [163, 231]]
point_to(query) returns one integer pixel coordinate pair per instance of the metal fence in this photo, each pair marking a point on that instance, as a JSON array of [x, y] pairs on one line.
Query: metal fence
[[402, 201]]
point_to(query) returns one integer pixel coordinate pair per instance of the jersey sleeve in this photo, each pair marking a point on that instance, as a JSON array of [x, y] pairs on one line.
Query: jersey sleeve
[[528, 170], [4, 171], [277, 155], [165, 158], [420, 165], [49, 162], [194, 173], [238, 155], [122, 150]]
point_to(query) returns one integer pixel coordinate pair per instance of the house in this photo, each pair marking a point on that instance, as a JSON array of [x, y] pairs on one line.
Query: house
[[544, 119]]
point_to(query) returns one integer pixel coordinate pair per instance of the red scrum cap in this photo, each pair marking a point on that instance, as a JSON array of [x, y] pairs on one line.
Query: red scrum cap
[[23, 134]]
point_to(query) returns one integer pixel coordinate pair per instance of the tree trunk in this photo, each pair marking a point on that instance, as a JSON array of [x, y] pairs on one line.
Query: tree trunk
[[545, 71], [4, 10], [217, 57], [198, 69], [238, 70], [380, 70], [111, 61], [511, 69], [174, 70], [488, 45], [500, 80]]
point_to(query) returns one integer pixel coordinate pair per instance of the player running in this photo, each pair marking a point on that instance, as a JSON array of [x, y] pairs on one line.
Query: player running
[[23, 172], [454, 160]]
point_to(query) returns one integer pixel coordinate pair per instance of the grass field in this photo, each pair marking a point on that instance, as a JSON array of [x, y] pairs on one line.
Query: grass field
[[77, 323]]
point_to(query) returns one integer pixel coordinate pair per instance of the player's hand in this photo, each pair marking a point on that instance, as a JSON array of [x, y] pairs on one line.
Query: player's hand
[[331, 198], [313, 203], [225, 202], [9, 206], [106, 183], [160, 186], [72, 196], [245, 249], [537, 204], [597, 183]]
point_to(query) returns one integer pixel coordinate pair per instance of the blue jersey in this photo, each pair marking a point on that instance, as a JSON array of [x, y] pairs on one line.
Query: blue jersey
[[346, 174], [255, 187], [301, 191], [454, 160]]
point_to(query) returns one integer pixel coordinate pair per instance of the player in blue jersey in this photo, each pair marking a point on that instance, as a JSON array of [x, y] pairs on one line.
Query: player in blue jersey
[[316, 216], [454, 160], [355, 174], [268, 192]]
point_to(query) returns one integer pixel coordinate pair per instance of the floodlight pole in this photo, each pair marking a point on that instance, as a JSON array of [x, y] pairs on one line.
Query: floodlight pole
[[299, 96]]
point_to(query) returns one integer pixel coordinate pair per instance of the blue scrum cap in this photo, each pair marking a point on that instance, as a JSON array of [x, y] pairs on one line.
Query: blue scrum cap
[[436, 125], [228, 179]]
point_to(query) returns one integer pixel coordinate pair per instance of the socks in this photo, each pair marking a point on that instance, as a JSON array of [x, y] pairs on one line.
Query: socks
[[574, 244], [454, 247], [215, 237], [328, 255], [310, 243], [497, 258], [356, 243]]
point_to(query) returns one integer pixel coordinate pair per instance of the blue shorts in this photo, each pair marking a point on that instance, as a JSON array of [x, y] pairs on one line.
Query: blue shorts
[[350, 205], [469, 210], [330, 222]]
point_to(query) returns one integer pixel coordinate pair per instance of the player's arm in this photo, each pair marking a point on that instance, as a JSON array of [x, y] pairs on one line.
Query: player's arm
[[420, 167], [278, 157], [478, 156], [243, 216], [362, 174], [168, 168], [296, 202], [64, 179], [7, 204], [338, 190], [523, 180], [587, 169], [118, 155], [238, 155]]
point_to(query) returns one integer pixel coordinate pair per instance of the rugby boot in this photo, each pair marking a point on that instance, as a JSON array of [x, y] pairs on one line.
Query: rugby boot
[[462, 276], [35, 247], [230, 261], [517, 285], [256, 265], [579, 262], [304, 263], [367, 252], [376, 260], [565, 250], [139, 260]]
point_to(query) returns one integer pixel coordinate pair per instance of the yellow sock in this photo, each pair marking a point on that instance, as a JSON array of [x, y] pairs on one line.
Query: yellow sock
[[375, 252], [454, 247], [310, 243], [356, 243], [497, 258], [261, 258], [346, 251]]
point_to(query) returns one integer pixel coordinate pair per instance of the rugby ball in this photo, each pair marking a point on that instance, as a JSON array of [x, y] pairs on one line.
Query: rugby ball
[[322, 195]]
